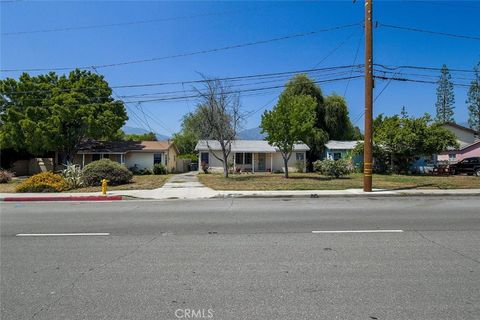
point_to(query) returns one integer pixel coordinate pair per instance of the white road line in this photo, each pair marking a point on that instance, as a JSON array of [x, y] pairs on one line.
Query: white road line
[[358, 231], [61, 234]]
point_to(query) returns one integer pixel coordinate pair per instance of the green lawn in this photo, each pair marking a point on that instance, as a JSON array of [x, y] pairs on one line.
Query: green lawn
[[138, 183], [313, 181]]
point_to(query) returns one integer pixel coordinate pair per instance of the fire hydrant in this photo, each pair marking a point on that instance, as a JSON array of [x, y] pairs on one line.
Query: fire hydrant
[[104, 186]]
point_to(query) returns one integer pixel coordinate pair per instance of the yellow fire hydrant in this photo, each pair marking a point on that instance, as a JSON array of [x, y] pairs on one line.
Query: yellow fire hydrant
[[104, 187]]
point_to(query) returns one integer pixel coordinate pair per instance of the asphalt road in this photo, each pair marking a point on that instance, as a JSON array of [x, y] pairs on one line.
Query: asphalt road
[[242, 259]]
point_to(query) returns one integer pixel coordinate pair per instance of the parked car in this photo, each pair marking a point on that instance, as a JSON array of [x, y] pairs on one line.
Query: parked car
[[467, 165]]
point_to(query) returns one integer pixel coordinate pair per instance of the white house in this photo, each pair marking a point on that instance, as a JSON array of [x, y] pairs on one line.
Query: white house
[[335, 150], [139, 154], [250, 156]]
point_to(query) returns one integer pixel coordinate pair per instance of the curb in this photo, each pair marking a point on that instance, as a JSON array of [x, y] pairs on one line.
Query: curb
[[60, 198], [350, 195]]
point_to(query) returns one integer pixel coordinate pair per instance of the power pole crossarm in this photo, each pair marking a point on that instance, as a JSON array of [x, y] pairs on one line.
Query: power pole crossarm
[[368, 141]]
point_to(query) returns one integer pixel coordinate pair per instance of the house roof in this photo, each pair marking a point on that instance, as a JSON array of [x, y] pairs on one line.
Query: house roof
[[246, 146], [342, 145], [462, 147], [93, 146], [460, 127]]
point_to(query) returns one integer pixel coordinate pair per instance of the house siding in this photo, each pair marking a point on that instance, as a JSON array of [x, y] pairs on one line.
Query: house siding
[[216, 165], [472, 151]]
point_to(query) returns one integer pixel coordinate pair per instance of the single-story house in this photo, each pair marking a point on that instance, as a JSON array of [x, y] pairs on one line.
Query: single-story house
[[251, 156], [455, 155], [335, 150], [139, 154], [468, 140]]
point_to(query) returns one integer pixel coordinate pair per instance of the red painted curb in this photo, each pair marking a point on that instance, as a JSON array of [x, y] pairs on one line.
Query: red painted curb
[[68, 198]]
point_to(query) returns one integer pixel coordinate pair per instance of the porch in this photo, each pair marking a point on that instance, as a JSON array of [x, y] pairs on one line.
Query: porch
[[253, 162]]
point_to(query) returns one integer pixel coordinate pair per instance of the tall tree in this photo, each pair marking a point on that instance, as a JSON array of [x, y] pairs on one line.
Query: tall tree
[[55, 113], [291, 121], [190, 133], [337, 120], [445, 97], [473, 100], [332, 119], [220, 117], [149, 136], [301, 84], [403, 138]]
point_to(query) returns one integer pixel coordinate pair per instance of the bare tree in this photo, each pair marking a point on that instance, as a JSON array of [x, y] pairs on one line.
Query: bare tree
[[221, 117]]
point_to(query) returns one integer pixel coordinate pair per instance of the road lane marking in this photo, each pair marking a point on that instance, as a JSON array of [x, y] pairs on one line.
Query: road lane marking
[[358, 231], [61, 234]]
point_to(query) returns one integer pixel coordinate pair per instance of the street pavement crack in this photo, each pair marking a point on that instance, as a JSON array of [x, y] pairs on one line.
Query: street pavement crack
[[71, 286], [448, 248]]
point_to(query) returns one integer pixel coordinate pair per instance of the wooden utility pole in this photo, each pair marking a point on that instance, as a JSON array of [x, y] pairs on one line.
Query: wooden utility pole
[[368, 141]]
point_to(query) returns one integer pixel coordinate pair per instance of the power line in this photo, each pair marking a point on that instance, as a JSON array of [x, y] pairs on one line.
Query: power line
[[127, 23], [452, 35], [236, 46], [417, 81], [354, 61], [420, 68], [233, 78], [334, 50]]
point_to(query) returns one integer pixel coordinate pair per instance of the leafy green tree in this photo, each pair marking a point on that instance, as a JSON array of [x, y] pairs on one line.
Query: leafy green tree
[[291, 121], [55, 113], [404, 138], [445, 97], [337, 120], [190, 132], [149, 136], [332, 119], [473, 100]]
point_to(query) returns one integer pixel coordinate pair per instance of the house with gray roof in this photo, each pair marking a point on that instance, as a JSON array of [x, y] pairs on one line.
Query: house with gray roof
[[335, 150], [250, 156]]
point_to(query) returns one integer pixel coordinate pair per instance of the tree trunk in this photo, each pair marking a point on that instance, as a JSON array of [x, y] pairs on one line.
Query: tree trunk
[[225, 169], [285, 161]]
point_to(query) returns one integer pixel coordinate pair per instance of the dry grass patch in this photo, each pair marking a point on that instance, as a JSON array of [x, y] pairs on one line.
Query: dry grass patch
[[146, 182], [313, 181], [10, 186]]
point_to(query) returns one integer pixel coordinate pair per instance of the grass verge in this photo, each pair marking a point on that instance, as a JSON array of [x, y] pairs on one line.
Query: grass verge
[[313, 181]]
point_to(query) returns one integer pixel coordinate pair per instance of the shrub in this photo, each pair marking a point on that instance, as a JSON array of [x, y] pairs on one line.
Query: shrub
[[332, 168], [300, 166], [159, 168], [114, 172], [43, 182], [5, 176], [73, 176]]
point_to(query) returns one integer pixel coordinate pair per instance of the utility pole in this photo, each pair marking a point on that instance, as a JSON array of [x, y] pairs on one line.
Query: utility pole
[[368, 141]]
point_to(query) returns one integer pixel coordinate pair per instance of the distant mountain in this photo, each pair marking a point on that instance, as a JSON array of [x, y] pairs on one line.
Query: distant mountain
[[251, 134], [133, 130]]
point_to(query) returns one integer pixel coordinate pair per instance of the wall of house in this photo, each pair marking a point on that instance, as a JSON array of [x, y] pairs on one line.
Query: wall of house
[[143, 160], [216, 165], [463, 137], [472, 151]]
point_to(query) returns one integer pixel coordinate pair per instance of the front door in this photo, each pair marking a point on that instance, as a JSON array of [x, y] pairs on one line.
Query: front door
[[261, 162]]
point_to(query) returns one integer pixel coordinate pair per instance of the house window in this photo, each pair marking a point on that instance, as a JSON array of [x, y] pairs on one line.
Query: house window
[[106, 156], [238, 158], [300, 156], [118, 158], [157, 158], [95, 157], [248, 158], [452, 157], [204, 157], [337, 156]]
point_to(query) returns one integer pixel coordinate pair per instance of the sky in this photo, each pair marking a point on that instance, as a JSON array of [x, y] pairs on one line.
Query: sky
[[195, 26]]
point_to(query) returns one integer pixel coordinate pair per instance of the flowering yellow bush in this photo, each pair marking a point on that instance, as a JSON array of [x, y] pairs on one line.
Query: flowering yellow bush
[[43, 182]]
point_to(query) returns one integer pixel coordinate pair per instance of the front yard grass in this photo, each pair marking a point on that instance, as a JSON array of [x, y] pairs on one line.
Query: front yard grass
[[137, 183], [313, 181], [145, 182]]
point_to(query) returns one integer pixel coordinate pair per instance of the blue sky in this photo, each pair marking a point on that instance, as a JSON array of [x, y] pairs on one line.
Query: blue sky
[[236, 23]]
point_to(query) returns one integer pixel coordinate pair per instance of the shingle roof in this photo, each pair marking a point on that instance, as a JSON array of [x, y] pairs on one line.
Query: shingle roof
[[342, 145], [93, 146], [246, 146]]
